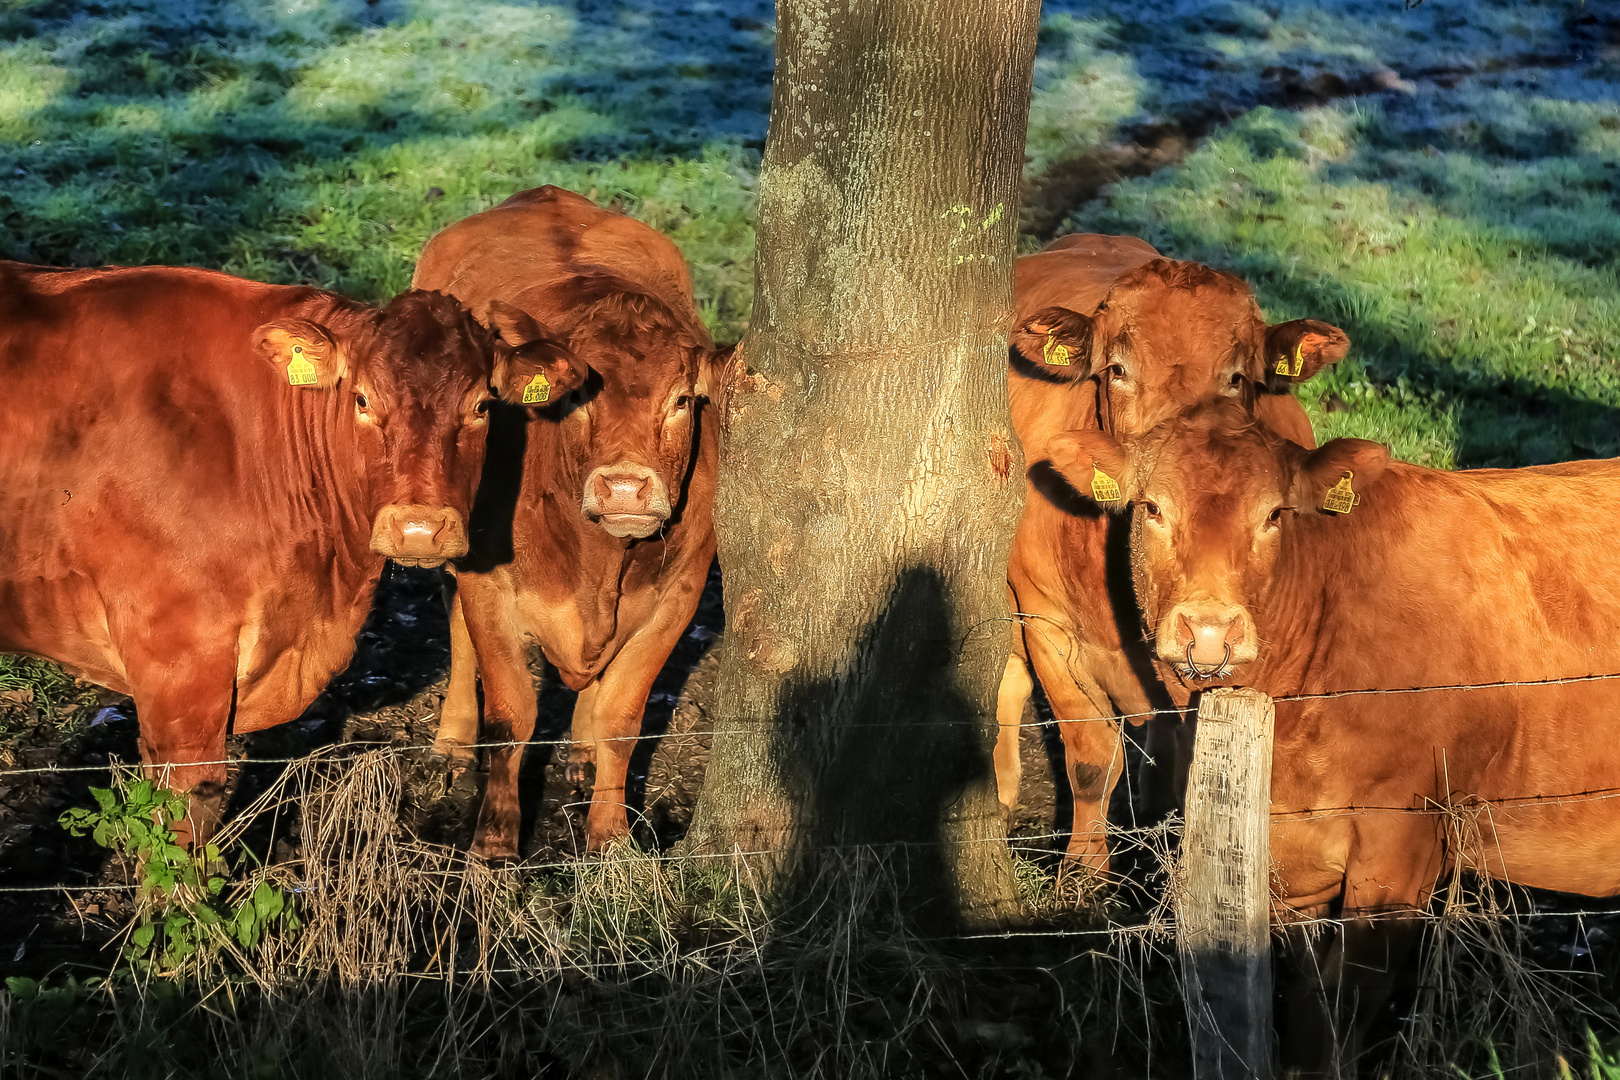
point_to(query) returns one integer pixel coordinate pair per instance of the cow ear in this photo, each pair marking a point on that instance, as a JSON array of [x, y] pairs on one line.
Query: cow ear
[[1336, 475], [717, 370], [1297, 350], [1095, 464], [531, 366], [304, 352], [508, 322], [1058, 341], [537, 372]]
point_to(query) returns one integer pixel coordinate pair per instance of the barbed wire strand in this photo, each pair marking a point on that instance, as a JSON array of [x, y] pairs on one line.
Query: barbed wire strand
[[1569, 680]]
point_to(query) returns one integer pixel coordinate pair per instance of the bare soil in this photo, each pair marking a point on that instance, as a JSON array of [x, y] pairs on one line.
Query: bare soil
[[391, 695]]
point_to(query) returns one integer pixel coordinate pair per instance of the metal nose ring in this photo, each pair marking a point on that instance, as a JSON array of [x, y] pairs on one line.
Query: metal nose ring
[[1219, 671]]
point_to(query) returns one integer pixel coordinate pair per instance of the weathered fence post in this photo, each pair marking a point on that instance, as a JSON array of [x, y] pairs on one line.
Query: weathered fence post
[[1223, 925]]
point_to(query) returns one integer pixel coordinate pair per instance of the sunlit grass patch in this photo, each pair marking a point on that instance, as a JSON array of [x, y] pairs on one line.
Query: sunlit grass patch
[[1084, 88], [324, 143], [29, 83], [41, 706]]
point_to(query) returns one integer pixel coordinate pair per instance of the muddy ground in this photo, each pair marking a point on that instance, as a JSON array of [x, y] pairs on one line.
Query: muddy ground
[[391, 695]]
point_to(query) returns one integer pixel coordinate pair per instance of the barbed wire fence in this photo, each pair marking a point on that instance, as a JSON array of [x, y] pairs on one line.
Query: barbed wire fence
[[383, 905]]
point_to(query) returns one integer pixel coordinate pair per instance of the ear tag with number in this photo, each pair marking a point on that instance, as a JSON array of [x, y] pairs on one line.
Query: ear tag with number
[[1299, 362], [1103, 487], [1054, 353], [538, 392], [300, 372], [1340, 498]]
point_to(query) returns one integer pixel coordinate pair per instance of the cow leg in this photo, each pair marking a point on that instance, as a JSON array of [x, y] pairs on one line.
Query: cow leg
[[1341, 986], [183, 701], [1016, 686], [510, 705], [458, 718], [620, 701], [1162, 777], [1011, 699], [1092, 750], [582, 737]]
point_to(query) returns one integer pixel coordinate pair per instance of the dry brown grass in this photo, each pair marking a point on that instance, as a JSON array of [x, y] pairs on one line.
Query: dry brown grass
[[416, 961]]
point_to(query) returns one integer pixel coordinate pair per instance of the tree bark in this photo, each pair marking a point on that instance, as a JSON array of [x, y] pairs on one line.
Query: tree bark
[[870, 484]]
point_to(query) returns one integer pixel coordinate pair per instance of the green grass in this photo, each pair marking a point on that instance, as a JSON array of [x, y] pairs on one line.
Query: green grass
[[325, 142], [41, 707]]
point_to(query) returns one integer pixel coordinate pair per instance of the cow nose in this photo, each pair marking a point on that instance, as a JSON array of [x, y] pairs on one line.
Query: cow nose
[[627, 500], [628, 492], [1211, 635], [419, 535]]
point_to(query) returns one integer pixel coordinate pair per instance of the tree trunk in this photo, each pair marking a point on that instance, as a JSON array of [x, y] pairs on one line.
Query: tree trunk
[[870, 485]]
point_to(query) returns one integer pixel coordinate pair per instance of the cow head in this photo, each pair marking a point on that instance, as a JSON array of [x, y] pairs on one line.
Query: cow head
[[407, 387], [1169, 335], [631, 433], [1215, 495]]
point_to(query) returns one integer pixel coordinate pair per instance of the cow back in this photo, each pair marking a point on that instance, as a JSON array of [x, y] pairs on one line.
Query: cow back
[[1075, 271], [522, 250]]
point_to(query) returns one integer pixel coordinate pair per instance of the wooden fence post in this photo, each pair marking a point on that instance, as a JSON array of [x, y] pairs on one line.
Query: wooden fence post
[[1223, 917]]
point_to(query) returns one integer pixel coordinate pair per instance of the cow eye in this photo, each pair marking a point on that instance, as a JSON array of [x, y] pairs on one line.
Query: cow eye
[[683, 403], [1116, 371], [1236, 380], [483, 407], [361, 403], [1151, 509], [1275, 519]]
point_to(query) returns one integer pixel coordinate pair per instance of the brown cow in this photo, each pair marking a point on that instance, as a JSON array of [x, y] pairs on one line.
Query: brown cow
[[202, 476], [612, 536], [1111, 335], [1310, 572]]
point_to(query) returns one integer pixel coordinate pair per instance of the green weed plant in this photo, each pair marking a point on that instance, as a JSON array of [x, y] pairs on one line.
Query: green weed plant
[[183, 906]]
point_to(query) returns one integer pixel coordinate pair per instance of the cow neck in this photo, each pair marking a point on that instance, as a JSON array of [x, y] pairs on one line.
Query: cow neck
[[315, 495], [598, 561], [1307, 588]]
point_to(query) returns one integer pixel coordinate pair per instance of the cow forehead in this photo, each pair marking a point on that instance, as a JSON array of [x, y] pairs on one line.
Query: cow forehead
[[639, 368], [1219, 468], [426, 345], [1199, 313]]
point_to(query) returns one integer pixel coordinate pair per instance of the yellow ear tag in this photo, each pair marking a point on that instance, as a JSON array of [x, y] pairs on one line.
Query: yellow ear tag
[[1299, 361], [1103, 487], [300, 372], [1054, 353], [538, 391], [1340, 499]]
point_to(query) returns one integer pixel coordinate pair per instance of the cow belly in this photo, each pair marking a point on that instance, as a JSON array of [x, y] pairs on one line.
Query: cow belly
[[1573, 848], [65, 621]]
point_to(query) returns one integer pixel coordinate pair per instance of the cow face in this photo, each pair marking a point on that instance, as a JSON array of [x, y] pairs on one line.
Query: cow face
[[406, 388], [1214, 495], [1170, 335], [631, 432]]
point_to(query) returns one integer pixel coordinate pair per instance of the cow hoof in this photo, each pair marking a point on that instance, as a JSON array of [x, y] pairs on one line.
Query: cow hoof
[[1086, 862], [493, 851]]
